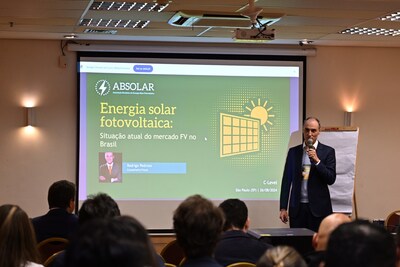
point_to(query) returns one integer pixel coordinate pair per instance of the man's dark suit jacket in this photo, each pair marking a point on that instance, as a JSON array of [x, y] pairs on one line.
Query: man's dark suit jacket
[[313, 259], [59, 260], [115, 172], [55, 223], [320, 177], [236, 246]]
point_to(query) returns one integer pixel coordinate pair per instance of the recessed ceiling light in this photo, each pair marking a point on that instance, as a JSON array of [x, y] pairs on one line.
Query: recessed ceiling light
[[114, 23], [128, 6], [371, 31], [100, 31], [392, 17]]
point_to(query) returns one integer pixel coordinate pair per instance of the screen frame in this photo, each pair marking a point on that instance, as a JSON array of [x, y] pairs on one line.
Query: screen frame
[[176, 56]]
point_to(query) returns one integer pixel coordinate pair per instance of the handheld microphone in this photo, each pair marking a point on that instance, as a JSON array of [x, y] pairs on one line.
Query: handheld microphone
[[310, 144]]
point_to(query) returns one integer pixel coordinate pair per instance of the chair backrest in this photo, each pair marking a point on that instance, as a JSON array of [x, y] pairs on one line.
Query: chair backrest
[[183, 261], [392, 221], [50, 259], [50, 246], [172, 253], [241, 264]]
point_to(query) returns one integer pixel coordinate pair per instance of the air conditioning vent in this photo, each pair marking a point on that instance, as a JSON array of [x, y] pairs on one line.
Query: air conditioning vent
[[181, 21], [221, 20]]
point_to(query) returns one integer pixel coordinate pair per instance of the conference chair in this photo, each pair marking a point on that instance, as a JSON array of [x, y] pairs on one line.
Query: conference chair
[[50, 246], [182, 261], [172, 253], [50, 259], [241, 264], [392, 221]]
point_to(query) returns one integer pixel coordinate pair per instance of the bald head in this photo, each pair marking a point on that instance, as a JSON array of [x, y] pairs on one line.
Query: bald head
[[320, 239]]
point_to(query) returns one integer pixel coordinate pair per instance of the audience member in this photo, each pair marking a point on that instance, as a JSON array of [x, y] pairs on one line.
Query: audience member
[[100, 206], [198, 224], [119, 241], [320, 239], [235, 245], [59, 220], [360, 244], [281, 256], [17, 238]]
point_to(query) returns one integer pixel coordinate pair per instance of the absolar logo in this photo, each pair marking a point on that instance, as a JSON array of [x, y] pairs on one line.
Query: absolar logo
[[103, 87]]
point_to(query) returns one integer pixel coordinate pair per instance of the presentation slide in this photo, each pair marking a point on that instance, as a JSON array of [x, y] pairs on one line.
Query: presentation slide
[[164, 131]]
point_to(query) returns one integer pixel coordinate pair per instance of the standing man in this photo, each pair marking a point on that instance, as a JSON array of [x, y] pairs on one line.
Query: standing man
[[110, 172], [309, 169]]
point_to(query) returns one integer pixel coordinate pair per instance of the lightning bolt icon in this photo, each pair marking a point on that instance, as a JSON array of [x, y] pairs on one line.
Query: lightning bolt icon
[[103, 88]]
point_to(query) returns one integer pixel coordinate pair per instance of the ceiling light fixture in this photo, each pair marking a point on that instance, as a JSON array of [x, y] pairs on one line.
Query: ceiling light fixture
[[114, 23], [371, 31], [97, 31], [126, 6], [70, 36], [392, 17], [305, 42]]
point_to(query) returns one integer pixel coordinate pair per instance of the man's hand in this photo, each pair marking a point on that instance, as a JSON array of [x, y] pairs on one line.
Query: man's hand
[[312, 154], [102, 178], [284, 216]]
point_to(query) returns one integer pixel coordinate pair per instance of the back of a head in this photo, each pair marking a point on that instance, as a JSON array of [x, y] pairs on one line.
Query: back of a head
[[98, 206], [119, 241], [326, 227], [360, 244], [60, 194], [17, 237], [235, 212], [198, 224], [281, 256]]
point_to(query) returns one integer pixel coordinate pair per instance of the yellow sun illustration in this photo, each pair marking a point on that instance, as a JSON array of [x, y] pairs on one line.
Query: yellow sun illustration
[[261, 112]]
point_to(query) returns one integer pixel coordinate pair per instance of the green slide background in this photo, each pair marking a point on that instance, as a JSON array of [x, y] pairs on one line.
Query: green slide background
[[199, 100]]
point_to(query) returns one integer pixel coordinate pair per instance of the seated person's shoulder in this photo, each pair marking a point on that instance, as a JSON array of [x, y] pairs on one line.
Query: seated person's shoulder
[[35, 220], [265, 240], [313, 259]]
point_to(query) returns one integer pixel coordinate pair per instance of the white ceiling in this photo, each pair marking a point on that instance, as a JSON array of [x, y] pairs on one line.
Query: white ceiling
[[317, 20]]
